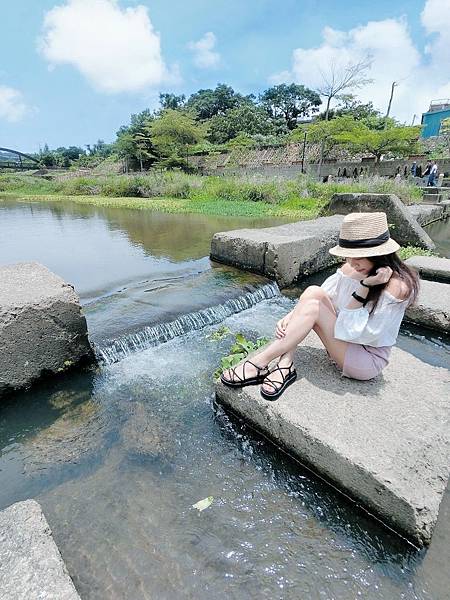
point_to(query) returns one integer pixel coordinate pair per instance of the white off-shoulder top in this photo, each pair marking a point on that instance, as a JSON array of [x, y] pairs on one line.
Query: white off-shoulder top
[[358, 325]]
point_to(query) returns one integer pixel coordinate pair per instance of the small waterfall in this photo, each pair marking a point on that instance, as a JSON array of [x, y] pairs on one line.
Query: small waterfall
[[125, 345]]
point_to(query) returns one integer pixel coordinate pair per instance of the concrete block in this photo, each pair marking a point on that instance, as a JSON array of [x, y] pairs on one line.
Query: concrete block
[[432, 307], [431, 267], [406, 230], [383, 442], [31, 566], [243, 248], [42, 329], [425, 214], [286, 252]]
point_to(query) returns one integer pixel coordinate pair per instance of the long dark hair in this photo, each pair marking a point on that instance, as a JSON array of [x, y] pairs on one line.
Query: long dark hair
[[405, 273]]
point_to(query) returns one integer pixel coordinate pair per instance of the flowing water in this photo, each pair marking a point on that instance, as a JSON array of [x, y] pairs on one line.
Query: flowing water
[[118, 455]]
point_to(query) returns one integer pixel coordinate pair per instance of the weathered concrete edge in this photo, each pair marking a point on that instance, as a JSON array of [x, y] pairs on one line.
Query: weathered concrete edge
[[54, 580], [326, 462]]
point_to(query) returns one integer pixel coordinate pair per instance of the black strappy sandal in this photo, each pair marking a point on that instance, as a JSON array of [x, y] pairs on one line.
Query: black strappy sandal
[[243, 381], [279, 386]]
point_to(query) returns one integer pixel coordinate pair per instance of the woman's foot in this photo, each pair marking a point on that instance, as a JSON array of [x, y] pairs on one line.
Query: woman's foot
[[246, 373], [278, 379]]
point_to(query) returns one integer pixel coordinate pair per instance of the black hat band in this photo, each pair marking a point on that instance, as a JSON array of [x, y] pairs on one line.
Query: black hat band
[[365, 243]]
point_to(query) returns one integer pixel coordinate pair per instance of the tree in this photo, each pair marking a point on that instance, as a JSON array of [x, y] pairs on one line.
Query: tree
[[350, 106], [172, 134], [246, 119], [290, 102], [172, 101], [398, 140], [125, 147], [208, 103], [339, 79], [325, 132]]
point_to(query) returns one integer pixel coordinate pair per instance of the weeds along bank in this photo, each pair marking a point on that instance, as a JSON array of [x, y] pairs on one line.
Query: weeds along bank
[[302, 197]]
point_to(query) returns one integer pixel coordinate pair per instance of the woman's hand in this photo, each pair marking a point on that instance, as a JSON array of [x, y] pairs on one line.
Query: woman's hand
[[280, 331], [382, 276]]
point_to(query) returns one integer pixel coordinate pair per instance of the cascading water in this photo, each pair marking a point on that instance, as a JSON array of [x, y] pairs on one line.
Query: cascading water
[[120, 348]]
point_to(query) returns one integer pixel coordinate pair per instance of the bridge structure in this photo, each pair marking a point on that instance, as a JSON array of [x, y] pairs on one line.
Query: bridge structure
[[13, 159]]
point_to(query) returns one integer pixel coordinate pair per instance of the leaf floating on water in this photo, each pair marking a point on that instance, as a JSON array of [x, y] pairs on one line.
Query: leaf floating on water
[[202, 504]]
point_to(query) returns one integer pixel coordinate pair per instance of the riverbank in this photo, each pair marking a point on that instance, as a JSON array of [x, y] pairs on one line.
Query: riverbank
[[297, 210], [175, 192]]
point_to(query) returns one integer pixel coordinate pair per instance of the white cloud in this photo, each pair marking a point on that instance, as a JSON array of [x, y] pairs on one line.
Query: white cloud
[[421, 76], [203, 50], [12, 104], [116, 49]]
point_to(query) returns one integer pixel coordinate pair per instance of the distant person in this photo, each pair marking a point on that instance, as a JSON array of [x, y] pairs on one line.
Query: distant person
[[419, 171], [426, 173], [432, 176], [356, 312], [414, 169]]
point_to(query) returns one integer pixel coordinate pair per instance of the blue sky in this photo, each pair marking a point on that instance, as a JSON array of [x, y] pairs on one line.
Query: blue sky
[[74, 70]]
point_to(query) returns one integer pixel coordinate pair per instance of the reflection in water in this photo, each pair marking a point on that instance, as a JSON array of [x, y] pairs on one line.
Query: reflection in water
[[100, 249], [439, 232]]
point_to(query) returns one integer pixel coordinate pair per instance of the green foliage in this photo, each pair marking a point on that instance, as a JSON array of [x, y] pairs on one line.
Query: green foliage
[[350, 106], [172, 133], [324, 132], [219, 334], [208, 103], [171, 101], [238, 351], [396, 140], [407, 251], [245, 119], [290, 103]]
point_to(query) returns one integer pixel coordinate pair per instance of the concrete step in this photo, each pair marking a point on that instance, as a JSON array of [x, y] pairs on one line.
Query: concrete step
[[30, 563], [431, 267], [384, 442]]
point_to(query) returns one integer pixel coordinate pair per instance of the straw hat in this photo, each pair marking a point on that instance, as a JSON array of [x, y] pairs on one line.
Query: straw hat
[[365, 235]]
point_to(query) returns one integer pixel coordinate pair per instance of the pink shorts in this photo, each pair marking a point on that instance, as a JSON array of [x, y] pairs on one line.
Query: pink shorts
[[365, 362]]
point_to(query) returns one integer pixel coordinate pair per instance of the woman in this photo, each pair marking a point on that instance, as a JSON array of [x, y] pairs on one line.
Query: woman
[[356, 312]]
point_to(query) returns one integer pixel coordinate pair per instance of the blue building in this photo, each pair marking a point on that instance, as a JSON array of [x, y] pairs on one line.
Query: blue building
[[431, 120]]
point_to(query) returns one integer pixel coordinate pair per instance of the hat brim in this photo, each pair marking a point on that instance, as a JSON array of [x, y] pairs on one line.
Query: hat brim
[[387, 248]]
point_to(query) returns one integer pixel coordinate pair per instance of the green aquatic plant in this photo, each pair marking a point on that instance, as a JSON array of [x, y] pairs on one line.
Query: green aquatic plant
[[238, 351], [407, 251], [219, 334]]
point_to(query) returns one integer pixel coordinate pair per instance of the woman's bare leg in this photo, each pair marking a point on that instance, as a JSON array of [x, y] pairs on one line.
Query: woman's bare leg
[[315, 311]]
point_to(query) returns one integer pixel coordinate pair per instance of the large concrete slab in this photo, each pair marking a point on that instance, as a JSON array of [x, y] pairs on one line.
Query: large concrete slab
[[42, 329], [432, 307], [431, 267], [385, 442], [425, 214], [405, 228], [31, 566], [286, 252]]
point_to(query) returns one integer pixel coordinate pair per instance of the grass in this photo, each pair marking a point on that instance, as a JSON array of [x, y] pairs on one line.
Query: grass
[[176, 192], [407, 251], [211, 207]]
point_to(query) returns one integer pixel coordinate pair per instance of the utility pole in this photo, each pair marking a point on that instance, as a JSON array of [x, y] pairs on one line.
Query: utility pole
[[394, 85], [303, 153], [414, 120]]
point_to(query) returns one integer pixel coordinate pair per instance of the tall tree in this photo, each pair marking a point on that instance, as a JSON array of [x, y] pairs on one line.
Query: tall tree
[[171, 101], [172, 134], [208, 103], [398, 140], [243, 119], [337, 80], [290, 102]]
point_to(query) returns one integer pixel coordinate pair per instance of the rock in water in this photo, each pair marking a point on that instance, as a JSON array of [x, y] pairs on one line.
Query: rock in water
[[42, 330]]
